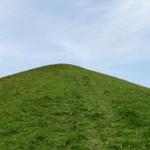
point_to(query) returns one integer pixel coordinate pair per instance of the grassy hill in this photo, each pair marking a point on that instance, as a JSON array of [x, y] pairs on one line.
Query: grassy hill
[[64, 107]]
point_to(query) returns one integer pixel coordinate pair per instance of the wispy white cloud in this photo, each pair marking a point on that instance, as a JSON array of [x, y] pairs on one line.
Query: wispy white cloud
[[101, 35], [118, 35]]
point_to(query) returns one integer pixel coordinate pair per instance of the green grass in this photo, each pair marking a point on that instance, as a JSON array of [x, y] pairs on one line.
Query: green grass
[[64, 107]]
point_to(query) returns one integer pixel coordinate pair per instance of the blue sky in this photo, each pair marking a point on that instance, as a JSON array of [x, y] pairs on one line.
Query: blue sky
[[110, 36]]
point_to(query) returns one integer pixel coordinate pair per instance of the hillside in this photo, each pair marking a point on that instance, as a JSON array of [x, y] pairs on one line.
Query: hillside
[[64, 107]]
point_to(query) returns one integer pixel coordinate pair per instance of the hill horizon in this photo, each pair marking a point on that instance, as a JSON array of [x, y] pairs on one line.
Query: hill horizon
[[67, 64]]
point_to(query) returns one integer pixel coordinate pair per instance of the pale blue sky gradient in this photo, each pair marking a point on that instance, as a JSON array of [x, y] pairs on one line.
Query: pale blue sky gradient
[[109, 36]]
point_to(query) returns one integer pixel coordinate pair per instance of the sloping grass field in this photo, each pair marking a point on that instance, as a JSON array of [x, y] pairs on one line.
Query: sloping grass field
[[64, 107]]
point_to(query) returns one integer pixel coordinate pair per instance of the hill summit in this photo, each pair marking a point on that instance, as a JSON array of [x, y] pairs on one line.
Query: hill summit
[[64, 107]]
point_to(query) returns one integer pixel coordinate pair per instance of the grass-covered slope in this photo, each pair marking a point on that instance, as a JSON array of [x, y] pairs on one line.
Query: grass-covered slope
[[63, 107]]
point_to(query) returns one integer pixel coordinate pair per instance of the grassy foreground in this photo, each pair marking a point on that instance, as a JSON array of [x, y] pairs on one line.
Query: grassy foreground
[[63, 107]]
